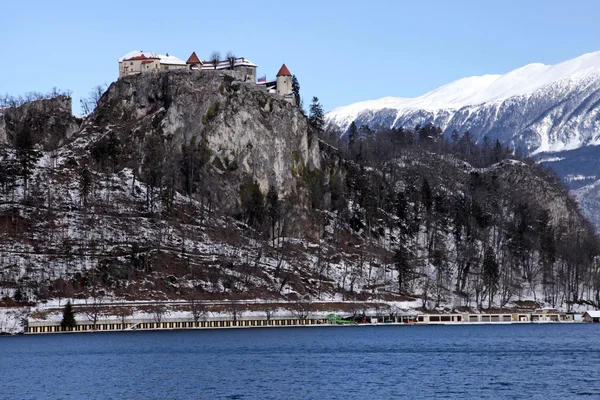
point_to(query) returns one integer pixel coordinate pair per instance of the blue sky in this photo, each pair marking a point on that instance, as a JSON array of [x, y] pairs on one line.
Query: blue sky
[[341, 51]]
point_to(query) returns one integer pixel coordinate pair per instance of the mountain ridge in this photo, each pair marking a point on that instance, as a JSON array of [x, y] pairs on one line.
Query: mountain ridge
[[555, 106]]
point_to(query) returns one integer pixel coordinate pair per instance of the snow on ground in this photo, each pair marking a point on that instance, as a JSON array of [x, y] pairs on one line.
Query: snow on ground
[[550, 159], [572, 178], [11, 319]]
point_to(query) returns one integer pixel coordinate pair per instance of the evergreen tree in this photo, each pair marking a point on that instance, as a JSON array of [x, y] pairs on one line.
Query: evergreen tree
[[491, 274], [68, 320], [194, 158], [85, 184], [352, 136], [27, 155], [106, 152], [454, 136], [273, 210], [296, 90], [316, 114], [153, 167], [403, 264], [253, 204], [9, 172], [427, 195]]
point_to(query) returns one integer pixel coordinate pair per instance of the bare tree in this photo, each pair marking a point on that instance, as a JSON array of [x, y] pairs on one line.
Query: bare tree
[[426, 288], [236, 309], [302, 308], [158, 312], [93, 301], [123, 312], [381, 310], [269, 309], [89, 103], [231, 59], [357, 310], [198, 310], [215, 58]]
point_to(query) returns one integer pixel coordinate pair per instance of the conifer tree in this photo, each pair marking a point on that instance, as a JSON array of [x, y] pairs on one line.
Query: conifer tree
[[296, 90], [68, 320], [316, 115], [273, 211], [253, 204], [27, 155], [491, 274], [352, 135]]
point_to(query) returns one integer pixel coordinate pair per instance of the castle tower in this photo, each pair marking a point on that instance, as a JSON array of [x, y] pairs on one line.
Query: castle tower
[[284, 83], [194, 62]]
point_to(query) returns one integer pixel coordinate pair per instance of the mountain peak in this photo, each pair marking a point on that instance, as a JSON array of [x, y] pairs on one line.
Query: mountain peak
[[485, 105]]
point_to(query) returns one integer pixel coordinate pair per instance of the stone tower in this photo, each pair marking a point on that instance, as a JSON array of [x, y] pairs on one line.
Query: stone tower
[[284, 83]]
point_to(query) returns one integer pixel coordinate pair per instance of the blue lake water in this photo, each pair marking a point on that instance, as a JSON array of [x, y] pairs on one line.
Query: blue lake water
[[390, 362]]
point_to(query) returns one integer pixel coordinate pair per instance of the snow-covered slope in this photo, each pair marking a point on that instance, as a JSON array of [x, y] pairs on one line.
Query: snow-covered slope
[[538, 107]]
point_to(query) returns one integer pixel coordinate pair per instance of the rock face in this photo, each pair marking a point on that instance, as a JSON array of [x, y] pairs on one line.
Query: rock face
[[248, 132], [49, 122]]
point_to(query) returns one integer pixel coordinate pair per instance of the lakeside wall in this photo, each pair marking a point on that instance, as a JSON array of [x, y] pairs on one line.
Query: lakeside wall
[[42, 327]]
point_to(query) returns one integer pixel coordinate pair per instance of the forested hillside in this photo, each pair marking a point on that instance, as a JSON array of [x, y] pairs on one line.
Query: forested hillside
[[187, 185], [480, 222]]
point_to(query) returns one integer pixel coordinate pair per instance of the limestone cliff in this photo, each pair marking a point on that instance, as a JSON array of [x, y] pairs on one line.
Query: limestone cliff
[[49, 122], [247, 131]]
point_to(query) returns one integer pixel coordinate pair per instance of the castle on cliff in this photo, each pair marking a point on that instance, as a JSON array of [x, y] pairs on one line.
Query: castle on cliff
[[140, 62]]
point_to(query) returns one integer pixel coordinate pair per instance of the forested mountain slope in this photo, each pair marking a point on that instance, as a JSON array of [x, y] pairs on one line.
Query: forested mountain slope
[[537, 109], [194, 185]]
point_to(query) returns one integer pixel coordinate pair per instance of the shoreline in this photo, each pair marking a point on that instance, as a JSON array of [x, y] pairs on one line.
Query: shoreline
[[147, 325]]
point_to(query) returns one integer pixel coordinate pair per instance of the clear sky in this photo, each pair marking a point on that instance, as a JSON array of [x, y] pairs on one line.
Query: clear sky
[[341, 51]]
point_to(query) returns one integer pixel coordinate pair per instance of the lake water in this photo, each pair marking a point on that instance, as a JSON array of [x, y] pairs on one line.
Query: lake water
[[389, 362]]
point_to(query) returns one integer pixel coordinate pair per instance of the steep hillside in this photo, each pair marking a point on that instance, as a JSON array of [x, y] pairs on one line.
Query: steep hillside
[[538, 108], [193, 185]]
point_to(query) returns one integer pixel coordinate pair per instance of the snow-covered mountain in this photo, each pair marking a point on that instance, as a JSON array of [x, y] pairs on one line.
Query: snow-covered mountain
[[541, 108]]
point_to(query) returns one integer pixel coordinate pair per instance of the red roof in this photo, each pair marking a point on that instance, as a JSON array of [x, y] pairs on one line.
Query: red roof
[[147, 62], [193, 59], [142, 57], [284, 71]]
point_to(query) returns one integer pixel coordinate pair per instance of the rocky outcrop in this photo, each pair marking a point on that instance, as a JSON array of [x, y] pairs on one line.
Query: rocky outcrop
[[249, 132], [49, 122]]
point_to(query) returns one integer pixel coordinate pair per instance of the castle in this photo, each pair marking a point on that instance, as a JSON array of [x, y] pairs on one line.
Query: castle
[[139, 62]]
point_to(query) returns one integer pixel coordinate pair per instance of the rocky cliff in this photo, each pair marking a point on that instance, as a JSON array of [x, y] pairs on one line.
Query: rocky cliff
[[49, 122], [247, 131]]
